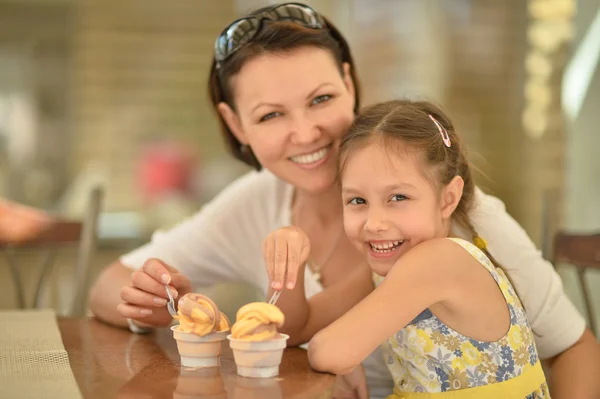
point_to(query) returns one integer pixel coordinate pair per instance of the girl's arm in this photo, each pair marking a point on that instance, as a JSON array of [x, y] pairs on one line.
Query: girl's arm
[[285, 251], [305, 317], [427, 274]]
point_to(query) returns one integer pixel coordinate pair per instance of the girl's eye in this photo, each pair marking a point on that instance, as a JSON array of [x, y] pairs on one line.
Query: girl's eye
[[321, 99], [268, 116], [398, 197], [357, 201]]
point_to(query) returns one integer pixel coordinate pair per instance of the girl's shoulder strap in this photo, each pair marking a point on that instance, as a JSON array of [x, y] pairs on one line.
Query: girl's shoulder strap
[[477, 253]]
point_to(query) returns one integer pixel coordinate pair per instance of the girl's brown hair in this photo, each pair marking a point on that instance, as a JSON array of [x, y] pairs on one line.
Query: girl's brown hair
[[408, 122], [273, 37]]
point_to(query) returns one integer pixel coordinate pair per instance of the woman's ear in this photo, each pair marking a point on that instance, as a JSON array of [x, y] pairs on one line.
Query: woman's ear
[[451, 195], [348, 82], [232, 121]]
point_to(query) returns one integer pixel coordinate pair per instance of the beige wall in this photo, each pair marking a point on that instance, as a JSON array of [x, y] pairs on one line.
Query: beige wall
[[582, 175], [34, 42], [139, 67]]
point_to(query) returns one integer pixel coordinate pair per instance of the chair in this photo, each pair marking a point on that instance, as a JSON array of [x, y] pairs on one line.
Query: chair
[[583, 252], [61, 232]]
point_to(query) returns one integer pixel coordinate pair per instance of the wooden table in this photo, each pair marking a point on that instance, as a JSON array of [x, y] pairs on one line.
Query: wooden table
[[112, 363]]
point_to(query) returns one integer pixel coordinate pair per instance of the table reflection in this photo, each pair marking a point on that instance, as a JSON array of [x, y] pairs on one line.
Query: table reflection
[[109, 362], [258, 388], [204, 383]]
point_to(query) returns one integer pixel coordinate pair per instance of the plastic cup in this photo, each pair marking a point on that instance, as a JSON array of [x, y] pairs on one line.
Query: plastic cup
[[196, 351], [258, 359]]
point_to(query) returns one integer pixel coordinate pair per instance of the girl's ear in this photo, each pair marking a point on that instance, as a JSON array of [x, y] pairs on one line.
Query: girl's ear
[[451, 195]]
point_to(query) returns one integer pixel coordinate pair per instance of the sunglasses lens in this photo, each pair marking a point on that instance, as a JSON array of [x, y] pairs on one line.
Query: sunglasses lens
[[237, 34], [242, 31], [304, 15]]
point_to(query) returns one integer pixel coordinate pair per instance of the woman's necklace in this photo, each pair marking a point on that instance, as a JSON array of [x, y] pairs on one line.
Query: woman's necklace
[[317, 268]]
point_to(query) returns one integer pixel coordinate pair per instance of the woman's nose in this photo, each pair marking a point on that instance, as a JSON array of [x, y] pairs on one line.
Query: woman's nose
[[305, 131]]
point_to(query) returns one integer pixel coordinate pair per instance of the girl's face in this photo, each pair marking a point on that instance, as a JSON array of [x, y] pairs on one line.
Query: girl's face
[[292, 109], [389, 204]]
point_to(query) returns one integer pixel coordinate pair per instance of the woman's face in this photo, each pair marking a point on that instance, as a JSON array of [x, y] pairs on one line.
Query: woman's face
[[292, 109]]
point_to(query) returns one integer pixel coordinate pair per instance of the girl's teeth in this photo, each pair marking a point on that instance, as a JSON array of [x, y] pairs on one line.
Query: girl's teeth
[[386, 247], [310, 158]]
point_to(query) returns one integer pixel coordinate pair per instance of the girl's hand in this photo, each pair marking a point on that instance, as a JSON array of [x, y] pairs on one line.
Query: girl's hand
[[145, 298], [285, 250], [352, 385]]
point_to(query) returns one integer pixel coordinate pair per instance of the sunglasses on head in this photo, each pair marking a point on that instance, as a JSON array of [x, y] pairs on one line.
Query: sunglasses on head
[[243, 30]]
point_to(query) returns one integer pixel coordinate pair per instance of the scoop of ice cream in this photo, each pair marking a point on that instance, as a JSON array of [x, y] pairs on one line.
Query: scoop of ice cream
[[224, 323], [257, 321], [198, 314]]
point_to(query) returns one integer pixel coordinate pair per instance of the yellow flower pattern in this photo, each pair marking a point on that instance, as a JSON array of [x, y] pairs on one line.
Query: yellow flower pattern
[[429, 356], [471, 355], [424, 341], [515, 336]]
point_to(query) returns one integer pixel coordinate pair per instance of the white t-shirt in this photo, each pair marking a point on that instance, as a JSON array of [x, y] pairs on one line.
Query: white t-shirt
[[223, 243]]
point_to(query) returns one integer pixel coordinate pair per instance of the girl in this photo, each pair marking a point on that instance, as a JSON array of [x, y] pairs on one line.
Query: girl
[[451, 323], [284, 87]]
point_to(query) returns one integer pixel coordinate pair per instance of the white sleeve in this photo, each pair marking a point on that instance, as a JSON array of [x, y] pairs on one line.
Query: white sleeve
[[222, 242], [555, 321]]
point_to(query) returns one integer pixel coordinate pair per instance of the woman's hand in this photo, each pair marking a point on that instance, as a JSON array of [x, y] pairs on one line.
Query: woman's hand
[[285, 251], [352, 385], [145, 298]]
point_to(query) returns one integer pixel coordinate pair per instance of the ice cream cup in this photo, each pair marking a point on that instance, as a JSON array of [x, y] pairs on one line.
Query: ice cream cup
[[258, 359], [199, 351]]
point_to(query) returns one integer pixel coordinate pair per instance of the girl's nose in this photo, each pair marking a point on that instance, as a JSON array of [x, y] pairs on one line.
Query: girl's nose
[[376, 221]]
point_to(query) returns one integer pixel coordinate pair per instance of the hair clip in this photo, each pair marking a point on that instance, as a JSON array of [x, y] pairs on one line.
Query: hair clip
[[480, 243], [443, 131]]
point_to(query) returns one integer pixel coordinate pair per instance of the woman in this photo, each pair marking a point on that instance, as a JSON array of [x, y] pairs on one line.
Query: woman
[[284, 86]]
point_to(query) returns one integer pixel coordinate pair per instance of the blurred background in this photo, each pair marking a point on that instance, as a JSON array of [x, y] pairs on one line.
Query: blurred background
[[113, 94]]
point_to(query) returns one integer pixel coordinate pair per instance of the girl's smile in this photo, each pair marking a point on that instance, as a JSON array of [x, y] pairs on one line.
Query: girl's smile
[[389, 204]]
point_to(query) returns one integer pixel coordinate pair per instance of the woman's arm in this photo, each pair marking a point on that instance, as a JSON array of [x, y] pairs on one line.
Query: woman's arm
[[140, 295], [105, 294], [425, 275], [193, 250], [574, 372], [220, 243], [559, 330]]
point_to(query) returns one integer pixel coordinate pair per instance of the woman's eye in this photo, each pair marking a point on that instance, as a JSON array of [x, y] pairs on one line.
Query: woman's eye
[[321, 99], [268, 116], [398, 197], [357, 201]]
